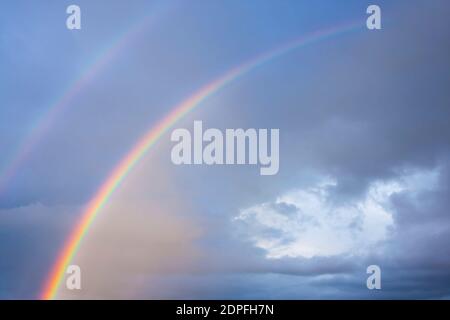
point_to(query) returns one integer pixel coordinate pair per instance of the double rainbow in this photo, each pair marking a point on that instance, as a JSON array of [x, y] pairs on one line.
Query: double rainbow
[[152, 136]]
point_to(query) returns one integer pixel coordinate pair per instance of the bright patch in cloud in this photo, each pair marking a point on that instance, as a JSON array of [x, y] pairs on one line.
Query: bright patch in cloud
[[308, 222]]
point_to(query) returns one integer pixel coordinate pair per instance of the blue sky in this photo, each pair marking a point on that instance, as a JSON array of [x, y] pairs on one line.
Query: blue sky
[[364, 149]]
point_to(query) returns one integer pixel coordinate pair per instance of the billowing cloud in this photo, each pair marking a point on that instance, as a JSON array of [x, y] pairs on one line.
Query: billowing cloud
[[308, 223]]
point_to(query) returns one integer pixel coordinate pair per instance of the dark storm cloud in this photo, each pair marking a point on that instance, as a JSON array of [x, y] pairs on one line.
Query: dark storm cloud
[[378, 108]]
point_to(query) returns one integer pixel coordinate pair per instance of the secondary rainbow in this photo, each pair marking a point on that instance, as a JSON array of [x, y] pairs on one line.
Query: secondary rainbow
[[103, 194], [43, 124]]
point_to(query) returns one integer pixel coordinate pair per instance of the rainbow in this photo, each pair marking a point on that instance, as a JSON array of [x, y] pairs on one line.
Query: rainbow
[[43, 124], [149, 139]]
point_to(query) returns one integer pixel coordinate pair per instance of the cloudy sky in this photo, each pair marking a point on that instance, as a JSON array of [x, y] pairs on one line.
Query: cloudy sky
[[364, 149]]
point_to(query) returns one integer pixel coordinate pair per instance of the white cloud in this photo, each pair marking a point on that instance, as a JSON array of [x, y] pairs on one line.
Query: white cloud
[[308, 223]]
